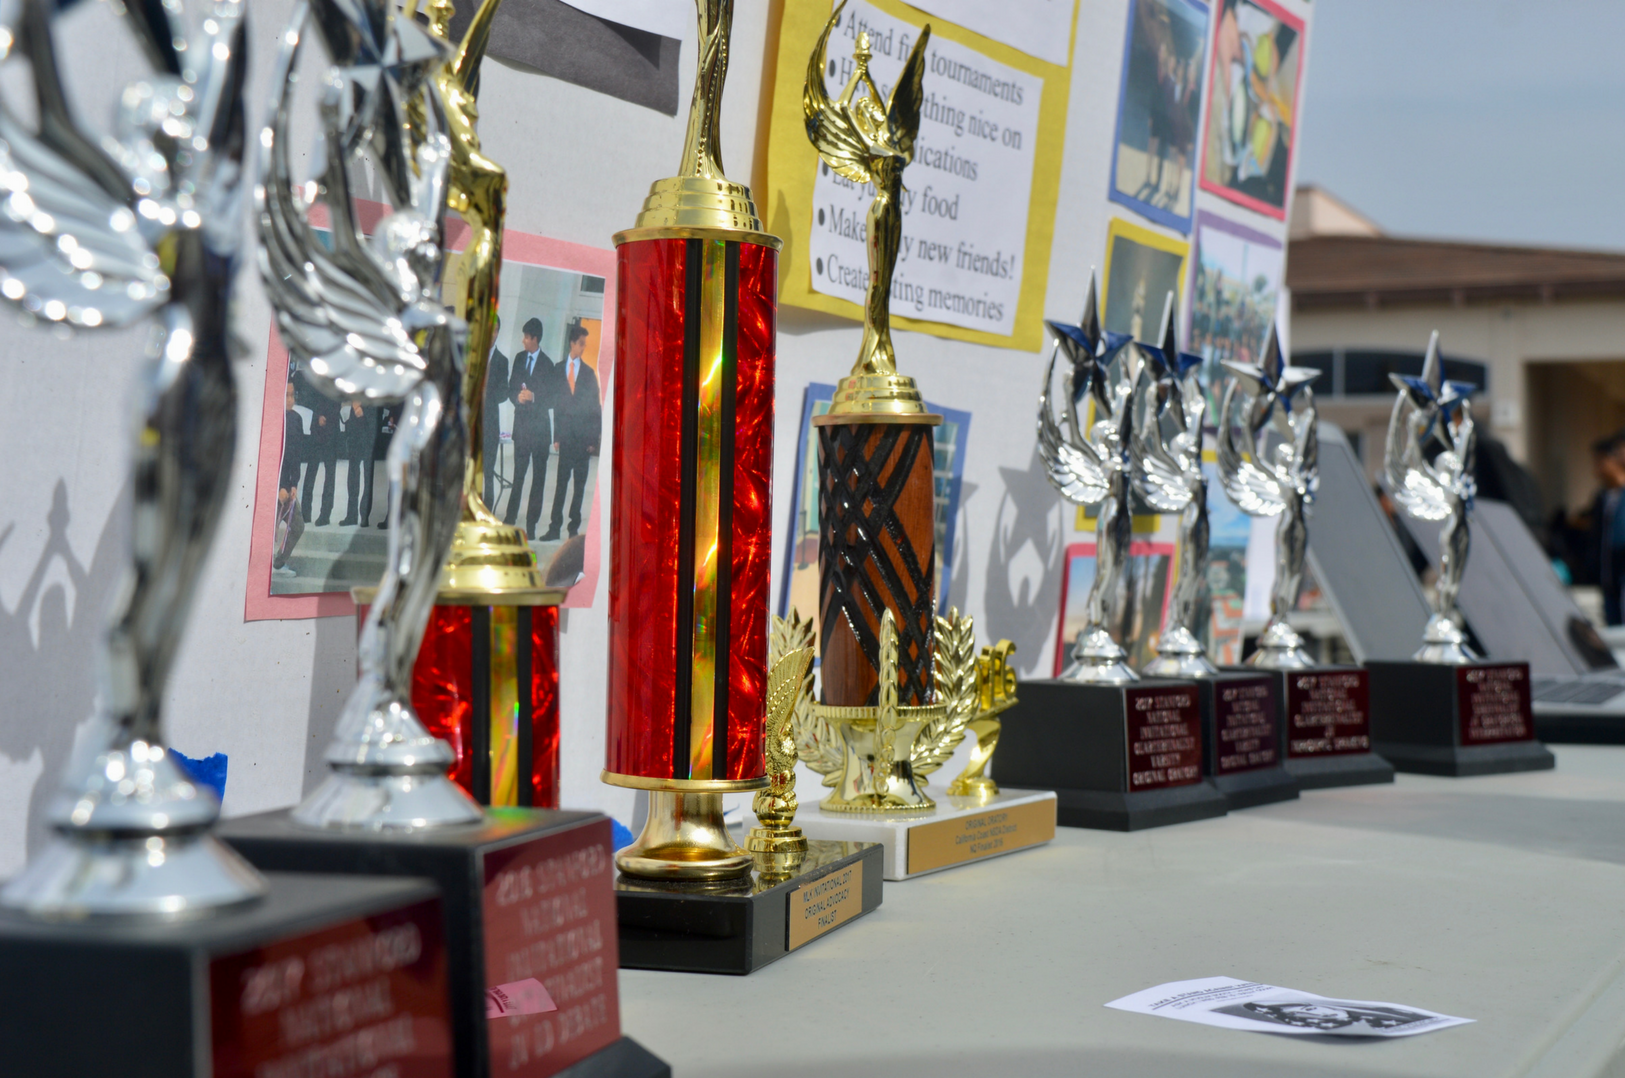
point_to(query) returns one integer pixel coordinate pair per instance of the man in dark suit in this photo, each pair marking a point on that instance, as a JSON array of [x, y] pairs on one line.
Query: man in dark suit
[[496, 391], [383, 432], [531, 388], [360, 428], [578, 423], [321, 447]]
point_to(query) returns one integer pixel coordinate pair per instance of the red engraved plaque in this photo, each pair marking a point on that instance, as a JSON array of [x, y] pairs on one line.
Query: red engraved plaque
[[1492, 701], [1244, 725], [365, 998], [550, 914], [1164, 737], [1328, 712]]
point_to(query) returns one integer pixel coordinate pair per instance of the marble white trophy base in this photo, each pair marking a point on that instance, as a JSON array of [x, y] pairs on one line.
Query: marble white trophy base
[[958, 831]]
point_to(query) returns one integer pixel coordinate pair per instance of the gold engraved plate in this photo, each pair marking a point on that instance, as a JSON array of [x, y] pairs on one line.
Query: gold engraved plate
[[960, 839], [824, 904]]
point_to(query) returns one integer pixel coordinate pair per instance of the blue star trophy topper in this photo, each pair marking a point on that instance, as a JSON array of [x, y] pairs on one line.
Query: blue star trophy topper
[[1428, 463], [1165, 455], [1269, 463], [1087, 460]]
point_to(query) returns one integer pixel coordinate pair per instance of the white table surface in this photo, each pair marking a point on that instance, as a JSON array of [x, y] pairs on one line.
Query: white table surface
[[1499, 898]]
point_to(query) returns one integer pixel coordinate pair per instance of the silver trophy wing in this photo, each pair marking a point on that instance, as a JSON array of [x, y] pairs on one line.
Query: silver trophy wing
[[70, 246], [336, 310], [1159, 443], [1413, 482], [1072, 466], [1253, 488]]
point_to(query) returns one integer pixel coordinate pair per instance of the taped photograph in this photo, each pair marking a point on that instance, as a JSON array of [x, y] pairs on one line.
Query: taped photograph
[[1252, 106], [1158, 110], [322, 494]]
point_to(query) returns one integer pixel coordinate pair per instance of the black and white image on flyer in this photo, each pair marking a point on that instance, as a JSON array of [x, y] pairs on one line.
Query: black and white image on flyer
[[1234, 1004]]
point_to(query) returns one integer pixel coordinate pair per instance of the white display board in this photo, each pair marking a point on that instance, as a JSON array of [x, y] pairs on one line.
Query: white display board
[[267, 693]]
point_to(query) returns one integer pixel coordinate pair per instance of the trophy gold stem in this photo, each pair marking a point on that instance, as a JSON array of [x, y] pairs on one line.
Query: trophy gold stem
[[489, 560], [684, 838]]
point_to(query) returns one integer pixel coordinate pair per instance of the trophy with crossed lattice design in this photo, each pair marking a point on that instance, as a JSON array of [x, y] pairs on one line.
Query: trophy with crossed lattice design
[[900, 686]]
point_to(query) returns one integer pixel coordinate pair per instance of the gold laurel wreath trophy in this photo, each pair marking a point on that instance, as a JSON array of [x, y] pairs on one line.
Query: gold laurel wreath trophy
[[900, 686]]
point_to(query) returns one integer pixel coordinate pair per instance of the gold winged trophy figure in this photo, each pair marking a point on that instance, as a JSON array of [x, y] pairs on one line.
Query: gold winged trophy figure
[[900, 686], [489, 560]]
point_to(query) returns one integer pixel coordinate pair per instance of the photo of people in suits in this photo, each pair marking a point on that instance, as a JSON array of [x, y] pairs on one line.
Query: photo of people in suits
[[543, 435]]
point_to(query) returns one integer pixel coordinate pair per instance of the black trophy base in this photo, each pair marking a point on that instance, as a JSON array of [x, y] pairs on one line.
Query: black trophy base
[[1247, 789], [626, 1058], [742, 925], [1103, 810], [1353, 769], [1462, 762], [1456, 720], [192, 998], [492, 876], [1119, 757]]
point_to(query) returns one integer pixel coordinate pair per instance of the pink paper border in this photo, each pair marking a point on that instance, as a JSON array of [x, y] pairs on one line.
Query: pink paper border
[[1063, 646], [1256, 205], [523, 247]]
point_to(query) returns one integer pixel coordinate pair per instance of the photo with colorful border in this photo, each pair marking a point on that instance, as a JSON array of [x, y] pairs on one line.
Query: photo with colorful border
[[1142, 267], [1144, 599], [1166, 114], [1236, 278], [521, 250], [1248, 141]]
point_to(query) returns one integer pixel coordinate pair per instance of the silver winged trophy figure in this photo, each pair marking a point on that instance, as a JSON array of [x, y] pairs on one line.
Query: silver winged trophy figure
[[107, 232], [1428, 462], [1086, 459], [1166, 453], [1269, 463], [363, 318]]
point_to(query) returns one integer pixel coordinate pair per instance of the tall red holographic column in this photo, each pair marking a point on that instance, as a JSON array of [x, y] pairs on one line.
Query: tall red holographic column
[[690, 502]]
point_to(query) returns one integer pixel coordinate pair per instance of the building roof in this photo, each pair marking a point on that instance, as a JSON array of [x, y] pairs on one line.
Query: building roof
[[1338, 266], [1318, 212]]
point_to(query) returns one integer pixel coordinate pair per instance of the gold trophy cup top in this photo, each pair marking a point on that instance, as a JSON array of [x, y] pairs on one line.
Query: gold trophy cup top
[[700, 202]]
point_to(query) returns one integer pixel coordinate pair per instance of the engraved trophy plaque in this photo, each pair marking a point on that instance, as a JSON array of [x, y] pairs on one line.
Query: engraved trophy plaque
[[1447, 711]]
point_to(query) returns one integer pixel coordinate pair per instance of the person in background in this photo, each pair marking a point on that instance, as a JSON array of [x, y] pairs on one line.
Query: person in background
[[1608, 520], [321, 448], [578, 424], [383, 433], [290, 524], [531, 388], [496, 391], [360, 428]]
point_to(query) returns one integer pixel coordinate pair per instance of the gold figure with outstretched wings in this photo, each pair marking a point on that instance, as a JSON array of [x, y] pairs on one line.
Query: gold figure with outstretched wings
[[868, 139]]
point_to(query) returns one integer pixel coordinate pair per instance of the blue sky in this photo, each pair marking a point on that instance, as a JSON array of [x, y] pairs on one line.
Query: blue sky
[[1485, 120]]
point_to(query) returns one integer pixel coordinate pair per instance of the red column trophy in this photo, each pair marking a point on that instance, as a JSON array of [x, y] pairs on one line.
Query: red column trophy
[[689, 684], [901, 687]]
